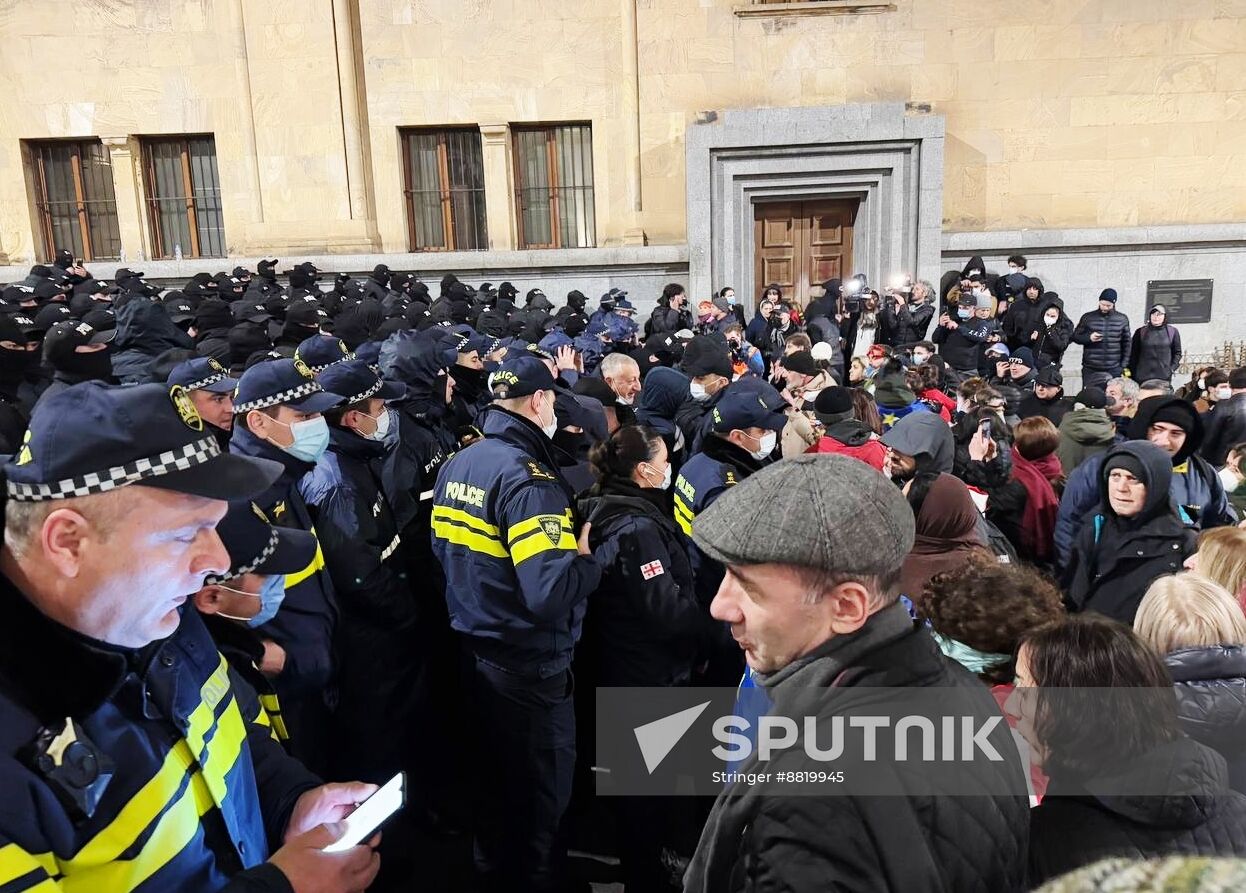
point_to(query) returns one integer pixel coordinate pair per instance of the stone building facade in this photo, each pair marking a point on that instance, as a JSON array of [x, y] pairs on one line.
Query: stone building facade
[[1106, 140]]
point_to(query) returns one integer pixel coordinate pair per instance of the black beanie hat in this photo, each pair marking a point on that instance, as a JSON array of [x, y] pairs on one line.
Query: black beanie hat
[[833, 405], [1127, 461], [706, 356], [1177, 413]]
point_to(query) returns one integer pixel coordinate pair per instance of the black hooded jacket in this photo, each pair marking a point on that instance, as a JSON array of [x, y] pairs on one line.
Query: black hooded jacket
[[1052, 341], [1116, 558], [1154, 352]]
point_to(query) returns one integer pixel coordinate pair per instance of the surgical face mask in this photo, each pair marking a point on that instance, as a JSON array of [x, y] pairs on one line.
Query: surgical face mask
[[698, 393], [964, 312], [766, 445], [552, 428], [1224, 392], [921, 358], [1051, 320], [382, 423], [271, 595], [311, 439], [666, 477], [731, 300]]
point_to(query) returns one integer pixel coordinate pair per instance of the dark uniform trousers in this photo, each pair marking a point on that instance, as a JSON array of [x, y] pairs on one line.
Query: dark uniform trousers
[[516, 588]]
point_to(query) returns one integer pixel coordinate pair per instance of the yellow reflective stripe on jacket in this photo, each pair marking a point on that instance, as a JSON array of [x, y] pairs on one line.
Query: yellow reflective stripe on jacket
[[16, 863], [683, 515], [458, 527], [97, 865], [316, 564], [528, 537], [270, 715]]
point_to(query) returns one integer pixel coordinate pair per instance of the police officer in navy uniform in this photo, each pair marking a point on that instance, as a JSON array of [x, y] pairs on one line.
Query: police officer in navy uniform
[[249, 594], [743, 429], [131, 756], [517, 581], [380, 661], [278, 415], [211, 390]]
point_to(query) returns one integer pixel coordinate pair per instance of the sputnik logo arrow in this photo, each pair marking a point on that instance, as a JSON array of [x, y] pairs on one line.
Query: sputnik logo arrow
[[658, 738]]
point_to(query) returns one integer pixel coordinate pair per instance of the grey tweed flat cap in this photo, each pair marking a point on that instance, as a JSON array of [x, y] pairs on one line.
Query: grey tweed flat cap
[[819, 510]]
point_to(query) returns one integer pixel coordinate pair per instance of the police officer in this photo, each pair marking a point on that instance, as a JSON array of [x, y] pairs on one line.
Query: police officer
[[211, 390], [321, 351], [278, 408], [517, 583], [744, 427], [141, 727], [249, 594], [379, 661]]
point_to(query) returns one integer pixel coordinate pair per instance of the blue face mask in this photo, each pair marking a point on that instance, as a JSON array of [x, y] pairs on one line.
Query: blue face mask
[[271, 595], [964, 313], [311, 439]]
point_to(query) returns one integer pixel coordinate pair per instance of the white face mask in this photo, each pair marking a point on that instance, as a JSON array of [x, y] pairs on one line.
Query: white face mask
[[765, 446], [666, 477], [382, 426], [920, 358], [1224, 393], [552, 428], [698, 393], [1051, 320]]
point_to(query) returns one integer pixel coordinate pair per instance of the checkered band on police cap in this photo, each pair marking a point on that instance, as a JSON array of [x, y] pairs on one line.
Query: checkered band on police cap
[[181, 459], [289, 396], [206, 382], [380, 383], [234, 573]]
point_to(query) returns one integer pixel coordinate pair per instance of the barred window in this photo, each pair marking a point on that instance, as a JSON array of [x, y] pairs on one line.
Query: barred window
[[444, 186], [554, 186], [75, 201], [184, 196]]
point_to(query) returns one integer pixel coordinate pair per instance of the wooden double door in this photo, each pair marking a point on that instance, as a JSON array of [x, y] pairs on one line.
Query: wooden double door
[[802, 244]]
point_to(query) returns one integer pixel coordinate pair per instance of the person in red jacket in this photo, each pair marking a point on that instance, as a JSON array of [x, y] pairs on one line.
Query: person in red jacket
[[844, 433]]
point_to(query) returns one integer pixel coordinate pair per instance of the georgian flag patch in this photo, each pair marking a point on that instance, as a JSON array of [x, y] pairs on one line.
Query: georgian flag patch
[[652, 569]]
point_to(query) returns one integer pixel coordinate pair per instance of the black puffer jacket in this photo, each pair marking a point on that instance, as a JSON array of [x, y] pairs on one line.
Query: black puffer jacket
[[1052, 341], [754, 841], [1211, 701], [1154, 352], [1073, 827], [1226, 429], [1110, 354]]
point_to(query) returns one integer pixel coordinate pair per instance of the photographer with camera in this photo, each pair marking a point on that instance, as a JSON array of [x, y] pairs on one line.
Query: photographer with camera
[[906, 311]]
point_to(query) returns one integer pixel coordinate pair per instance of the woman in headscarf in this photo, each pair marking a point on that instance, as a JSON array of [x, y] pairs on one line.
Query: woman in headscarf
[[1036, 468], [947, 530]]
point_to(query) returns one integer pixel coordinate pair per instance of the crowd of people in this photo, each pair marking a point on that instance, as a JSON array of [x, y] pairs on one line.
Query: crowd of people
[[263, 534]]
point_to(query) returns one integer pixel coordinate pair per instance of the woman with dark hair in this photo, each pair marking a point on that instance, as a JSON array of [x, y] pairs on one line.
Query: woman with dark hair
[[1034, 467], [1124, 781], [947, 530], [927, 381], [865, 410], [643, 623]]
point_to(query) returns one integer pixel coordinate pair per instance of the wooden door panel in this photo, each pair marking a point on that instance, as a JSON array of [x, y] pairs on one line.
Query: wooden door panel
[[801, 244]]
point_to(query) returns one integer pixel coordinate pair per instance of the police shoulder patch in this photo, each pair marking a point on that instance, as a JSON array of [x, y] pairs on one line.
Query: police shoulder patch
[[730, 480], [539, 473], [185, 408], [551, 525]]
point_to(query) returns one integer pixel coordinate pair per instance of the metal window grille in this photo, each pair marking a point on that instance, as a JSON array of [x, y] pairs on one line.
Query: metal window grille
[[76, 204], [184, 197], [554, 186], [444, 188]]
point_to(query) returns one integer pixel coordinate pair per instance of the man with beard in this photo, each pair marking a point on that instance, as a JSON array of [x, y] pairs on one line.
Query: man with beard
[[211, 390], [1105, 335]]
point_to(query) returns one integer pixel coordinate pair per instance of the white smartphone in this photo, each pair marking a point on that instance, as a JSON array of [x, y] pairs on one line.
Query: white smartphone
[[371, 814]]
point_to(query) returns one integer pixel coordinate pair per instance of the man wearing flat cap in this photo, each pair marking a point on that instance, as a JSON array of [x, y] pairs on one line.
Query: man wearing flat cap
[[517, 585], [119, 719], [813, 549]]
